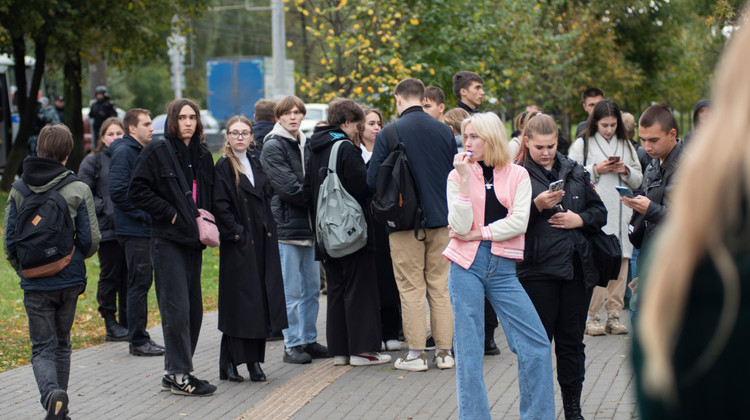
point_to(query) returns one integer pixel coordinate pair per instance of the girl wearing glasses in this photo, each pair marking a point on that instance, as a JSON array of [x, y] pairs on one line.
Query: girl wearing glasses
[[251, 292]]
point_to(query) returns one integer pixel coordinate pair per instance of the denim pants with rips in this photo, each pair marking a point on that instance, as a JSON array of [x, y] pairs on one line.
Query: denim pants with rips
[[495, 277], [51, 314]]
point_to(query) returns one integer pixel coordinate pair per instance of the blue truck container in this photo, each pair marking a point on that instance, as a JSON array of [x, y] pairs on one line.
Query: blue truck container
[[233, 85]]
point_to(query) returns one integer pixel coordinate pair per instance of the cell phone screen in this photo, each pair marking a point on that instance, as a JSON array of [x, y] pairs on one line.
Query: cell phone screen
[[624, 191]]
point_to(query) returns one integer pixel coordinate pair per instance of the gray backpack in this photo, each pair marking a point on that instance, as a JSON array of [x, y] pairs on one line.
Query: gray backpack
[[340, 224]]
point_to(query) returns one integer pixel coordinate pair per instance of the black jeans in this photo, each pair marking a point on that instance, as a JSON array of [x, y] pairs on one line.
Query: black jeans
[[51, 314], [177, 276], [138, 259], [113, 280], [353, 312], [562, 306]]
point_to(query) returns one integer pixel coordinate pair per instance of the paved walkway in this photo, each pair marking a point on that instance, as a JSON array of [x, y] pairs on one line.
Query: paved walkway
[[106, 382]]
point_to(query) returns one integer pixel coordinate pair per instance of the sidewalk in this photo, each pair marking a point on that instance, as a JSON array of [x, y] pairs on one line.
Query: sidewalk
[[106, 382]]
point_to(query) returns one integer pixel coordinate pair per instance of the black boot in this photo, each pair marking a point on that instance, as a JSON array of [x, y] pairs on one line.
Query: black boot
[[571, 396], [256, 373], [115, 331], [229, 371], [490, 348]]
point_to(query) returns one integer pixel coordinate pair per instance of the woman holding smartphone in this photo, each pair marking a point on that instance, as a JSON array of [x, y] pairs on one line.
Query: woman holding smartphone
[[611, 160], [488, 209], [558, 271], [251, 291]]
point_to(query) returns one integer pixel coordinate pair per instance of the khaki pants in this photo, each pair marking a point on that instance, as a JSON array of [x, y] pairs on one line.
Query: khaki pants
[[614, 293], [420, 270]]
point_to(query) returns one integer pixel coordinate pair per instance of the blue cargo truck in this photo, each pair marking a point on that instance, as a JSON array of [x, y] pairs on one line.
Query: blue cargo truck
[[234, 84]]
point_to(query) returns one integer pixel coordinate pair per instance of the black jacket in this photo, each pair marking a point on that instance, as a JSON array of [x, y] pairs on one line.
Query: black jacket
[[155, 189], [129, 221], [94, 171], [251, 289], [549, 251], [282, 162], [465, 107], [261, 128], [430, 147], [350, 168], [656, 186], [100, 111]]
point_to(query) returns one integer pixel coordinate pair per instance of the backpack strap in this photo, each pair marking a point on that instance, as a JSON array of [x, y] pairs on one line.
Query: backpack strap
[[585, 150], [391, 136], [25, 191], [334, 155]]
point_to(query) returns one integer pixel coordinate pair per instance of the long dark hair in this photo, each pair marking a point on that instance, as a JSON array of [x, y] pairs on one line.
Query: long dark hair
[[605, 108], [173, 111]]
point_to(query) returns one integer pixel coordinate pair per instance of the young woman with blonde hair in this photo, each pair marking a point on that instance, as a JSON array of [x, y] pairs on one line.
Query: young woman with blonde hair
[[251, 290], [488, 209], [694, 320]]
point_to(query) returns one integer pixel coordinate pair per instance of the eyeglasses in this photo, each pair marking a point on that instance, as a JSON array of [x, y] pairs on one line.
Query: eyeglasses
[[238, 134]]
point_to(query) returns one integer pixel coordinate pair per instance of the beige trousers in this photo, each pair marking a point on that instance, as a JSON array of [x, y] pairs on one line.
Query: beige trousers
[[421, 270], [613, 294]]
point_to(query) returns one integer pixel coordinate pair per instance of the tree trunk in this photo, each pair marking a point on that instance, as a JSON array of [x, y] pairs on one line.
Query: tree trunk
[[97, 74], [26, 104], [73, 99]]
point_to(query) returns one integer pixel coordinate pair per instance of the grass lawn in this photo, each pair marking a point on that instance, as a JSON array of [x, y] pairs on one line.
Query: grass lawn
[[88, 327]]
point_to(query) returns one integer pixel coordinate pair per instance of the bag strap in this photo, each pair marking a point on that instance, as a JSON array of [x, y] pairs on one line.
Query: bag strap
[[181, 177], [334, 155], [25, 191], [391, 136], [585, 150]]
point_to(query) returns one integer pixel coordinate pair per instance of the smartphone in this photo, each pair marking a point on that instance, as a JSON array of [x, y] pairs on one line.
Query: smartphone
[[614, 158], [556, 185], [624, 191]]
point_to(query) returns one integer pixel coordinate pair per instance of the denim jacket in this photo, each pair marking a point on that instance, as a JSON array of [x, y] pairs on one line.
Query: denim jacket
[[513, 190]]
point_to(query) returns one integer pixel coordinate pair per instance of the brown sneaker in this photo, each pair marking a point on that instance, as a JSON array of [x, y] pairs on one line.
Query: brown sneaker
[[594, 326], [614, 326]]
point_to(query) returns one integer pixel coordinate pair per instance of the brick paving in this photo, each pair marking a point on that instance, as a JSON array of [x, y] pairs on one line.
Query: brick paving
[[106, 382]]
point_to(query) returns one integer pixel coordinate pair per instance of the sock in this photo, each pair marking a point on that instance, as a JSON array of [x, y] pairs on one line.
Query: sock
[[413, 354]]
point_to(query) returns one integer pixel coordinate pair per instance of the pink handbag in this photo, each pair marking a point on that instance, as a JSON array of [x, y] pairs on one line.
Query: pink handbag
[[207, 229]]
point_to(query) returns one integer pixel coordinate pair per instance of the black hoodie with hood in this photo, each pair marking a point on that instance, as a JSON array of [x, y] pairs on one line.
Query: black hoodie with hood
[[155, 188], [702, 103], [350, 167]]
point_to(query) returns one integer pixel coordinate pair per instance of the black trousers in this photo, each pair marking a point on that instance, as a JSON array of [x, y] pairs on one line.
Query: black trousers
[[562, 306], [390, 302], [353, 320], [138, 260], [177, 276], [113, 280]]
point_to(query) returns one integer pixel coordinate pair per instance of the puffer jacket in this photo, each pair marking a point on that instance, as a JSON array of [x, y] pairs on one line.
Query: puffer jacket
[[40, 175], [94, 171], [282, 161], [550, 251]]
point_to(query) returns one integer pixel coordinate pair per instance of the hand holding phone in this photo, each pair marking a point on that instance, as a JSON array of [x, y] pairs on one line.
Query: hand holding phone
[[624, 191]]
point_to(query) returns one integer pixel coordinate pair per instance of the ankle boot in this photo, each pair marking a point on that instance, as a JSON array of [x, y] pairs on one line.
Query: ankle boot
[[229, 371], [571, 396], [115, 331], [256, 373]]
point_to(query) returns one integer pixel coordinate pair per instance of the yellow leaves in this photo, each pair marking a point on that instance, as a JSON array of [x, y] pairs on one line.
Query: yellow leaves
[[323, 61], [432, 72], [396, 44], [305, 12], [342, 80], [397, 16], [332, 79], [370, 12], [358, 89], [318, 11], [417, 67], [342, 3], [507, 72], [289, 44], [369, 88], [393, 61], [356, 26], [414, 21]]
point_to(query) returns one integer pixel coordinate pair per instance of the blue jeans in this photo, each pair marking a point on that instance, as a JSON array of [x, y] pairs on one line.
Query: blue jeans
[[302, 289], [51, 314], [495, 278]]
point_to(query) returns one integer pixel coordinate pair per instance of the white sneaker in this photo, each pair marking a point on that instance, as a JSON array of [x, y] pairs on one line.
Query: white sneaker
[[444, 359], [382, 346], [340, 360], [365, 359], [393, 345], [417, 364]]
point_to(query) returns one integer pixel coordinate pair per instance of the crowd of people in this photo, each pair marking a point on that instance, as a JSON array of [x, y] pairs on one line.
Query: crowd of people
[[504, 235]]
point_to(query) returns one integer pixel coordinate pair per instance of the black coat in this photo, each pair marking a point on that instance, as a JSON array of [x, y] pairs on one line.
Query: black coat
[[155, 189], [251, 288], [350, 168], [549, 251]]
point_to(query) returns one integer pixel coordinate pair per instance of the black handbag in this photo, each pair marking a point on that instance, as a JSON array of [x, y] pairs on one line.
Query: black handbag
[[607, 255]]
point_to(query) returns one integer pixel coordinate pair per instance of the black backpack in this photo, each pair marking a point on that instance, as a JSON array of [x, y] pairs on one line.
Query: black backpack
[[44, 233], [397, 203]]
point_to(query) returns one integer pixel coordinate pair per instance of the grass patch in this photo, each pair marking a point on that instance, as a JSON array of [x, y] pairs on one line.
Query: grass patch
[[88, 327]]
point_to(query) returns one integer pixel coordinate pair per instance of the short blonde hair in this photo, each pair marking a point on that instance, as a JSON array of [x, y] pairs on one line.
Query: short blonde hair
[[489, 128]]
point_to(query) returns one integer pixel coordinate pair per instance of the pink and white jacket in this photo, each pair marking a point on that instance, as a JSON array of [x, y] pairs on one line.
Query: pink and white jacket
[[513, 190]]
